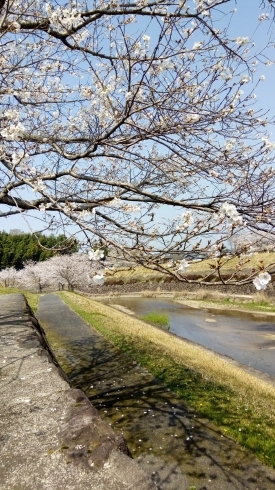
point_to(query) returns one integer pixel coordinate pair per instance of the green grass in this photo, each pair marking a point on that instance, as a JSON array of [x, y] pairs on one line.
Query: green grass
[[252, 306], [241, 405], [213, 401], [158, 319]]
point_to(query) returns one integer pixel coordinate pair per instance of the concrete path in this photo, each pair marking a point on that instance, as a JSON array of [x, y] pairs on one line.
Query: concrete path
[[51, 436], [180, 449]]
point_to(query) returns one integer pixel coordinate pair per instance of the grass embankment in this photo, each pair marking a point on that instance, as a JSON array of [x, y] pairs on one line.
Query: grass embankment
[[204, 298], [196, 269], [230, 263], [32, 298], [242, 405]]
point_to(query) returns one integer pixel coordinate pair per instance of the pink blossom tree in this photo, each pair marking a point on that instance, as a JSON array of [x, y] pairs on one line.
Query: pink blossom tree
[[71, 271], [36, 276], [8, 277]]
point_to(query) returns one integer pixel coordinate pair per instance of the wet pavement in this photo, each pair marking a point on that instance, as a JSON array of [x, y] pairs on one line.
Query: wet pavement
[[162, 433]]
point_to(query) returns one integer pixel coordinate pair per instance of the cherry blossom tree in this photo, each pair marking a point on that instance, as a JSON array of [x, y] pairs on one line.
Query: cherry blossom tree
[[36, 276], [8, 277], [114, 114], [72, 271]]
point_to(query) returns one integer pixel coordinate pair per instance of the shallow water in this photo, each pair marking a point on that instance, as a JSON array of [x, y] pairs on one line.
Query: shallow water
[[248, 338]]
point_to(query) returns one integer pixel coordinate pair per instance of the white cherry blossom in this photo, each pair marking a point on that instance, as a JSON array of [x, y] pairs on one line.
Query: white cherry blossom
[[96, 254], [99, 279], [183, 265], [261, 281], [242, 41], [230, 212], [263, 16]]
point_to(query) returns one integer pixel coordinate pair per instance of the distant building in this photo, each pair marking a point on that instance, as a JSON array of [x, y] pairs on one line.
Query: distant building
[[188, 255]]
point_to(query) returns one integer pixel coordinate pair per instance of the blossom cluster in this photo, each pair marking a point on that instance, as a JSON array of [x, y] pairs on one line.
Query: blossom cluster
[[63, 17], [96, 254], [13, 132], [186, 220], [183, 265], [261, 281], [230, 212], [99, 279]]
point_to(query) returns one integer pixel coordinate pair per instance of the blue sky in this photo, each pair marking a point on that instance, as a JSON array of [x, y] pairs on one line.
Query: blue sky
[[246, 24]]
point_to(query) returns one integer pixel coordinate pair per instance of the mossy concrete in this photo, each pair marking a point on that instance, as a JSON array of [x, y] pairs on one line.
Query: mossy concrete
[[52, 438]]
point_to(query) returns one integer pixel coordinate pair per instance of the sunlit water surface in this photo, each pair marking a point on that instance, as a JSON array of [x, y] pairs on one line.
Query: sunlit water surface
[[246, 337]]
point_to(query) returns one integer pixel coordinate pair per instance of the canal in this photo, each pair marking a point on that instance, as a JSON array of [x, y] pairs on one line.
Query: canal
[[248, 338]]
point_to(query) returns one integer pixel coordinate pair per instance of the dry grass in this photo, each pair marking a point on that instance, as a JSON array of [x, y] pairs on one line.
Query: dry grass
[[139, 272], [203, 298], [202, 294], [149, 294], [260, 297], [248, 388], [114, 294], [196, 269], [254, 261]]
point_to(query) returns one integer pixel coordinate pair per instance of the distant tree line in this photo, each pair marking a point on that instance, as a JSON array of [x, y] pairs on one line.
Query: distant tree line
[[18, 248]]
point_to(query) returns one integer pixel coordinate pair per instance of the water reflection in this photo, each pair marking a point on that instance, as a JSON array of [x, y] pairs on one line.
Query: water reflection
[[247, 338]]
